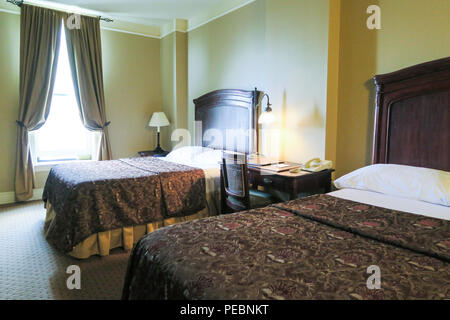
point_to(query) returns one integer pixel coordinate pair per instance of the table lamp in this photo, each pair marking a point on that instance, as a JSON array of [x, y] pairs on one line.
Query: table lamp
[[158, 120]]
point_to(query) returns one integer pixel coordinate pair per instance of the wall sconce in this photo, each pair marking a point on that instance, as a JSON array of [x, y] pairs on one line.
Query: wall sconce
[[267, 116]]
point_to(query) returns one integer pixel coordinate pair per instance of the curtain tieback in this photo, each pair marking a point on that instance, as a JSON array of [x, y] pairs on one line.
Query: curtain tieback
[[106, 124], [21, 124]]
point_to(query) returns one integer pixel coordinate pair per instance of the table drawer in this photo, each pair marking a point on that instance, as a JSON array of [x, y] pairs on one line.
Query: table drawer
[[272, 181]]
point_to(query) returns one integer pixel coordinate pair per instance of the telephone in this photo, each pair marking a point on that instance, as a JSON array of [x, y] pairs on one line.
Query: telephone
[[296, 170], [315, 165]]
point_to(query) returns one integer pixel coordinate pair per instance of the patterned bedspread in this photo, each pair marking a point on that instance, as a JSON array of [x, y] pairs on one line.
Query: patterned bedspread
[[314, 248], [103, 195]]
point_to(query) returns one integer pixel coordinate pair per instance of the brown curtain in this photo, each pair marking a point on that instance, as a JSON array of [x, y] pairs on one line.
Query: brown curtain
[[85, 56], [39, 47]]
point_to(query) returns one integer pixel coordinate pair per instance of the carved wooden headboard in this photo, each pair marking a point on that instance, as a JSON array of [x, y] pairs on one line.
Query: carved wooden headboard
[[226, 119], [412, 119]]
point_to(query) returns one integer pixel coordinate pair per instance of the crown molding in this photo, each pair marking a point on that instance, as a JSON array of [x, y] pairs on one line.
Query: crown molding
[[131, 32], [177, 25], [156, 32], [216, 14], [132, 28]]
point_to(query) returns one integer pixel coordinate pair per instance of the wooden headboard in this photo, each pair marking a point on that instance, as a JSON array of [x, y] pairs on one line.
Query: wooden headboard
[[412, 122], [226, 119]]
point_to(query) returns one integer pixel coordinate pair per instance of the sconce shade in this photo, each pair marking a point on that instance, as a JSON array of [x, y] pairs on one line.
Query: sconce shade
[[159, 119], [267, 117]]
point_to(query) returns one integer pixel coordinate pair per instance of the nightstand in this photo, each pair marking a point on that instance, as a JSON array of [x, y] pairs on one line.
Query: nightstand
[[292, 183], [152, 154]]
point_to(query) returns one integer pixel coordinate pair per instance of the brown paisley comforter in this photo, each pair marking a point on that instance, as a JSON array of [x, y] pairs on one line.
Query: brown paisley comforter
[[103, 195], [313, 248]]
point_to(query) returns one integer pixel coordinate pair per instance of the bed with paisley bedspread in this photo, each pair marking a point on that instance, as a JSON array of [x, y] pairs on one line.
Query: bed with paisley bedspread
[[101, 196], [313, 248]]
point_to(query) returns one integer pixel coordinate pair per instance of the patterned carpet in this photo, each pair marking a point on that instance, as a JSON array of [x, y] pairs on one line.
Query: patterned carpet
[[31, 269]]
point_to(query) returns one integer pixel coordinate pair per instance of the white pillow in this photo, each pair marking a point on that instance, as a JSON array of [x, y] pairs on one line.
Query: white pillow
[[423, 184], [208, 158], [185, 154]]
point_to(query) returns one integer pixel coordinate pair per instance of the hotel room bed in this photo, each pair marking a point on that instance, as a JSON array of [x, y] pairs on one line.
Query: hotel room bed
[[109, 204], [96, 206], [393, 215], [313, 248]]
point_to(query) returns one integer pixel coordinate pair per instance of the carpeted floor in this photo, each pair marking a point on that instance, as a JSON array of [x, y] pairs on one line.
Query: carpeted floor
[[31, 269]]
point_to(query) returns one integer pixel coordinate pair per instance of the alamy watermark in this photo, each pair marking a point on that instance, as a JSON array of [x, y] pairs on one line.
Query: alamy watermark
[[374, 280], [374, 20], [73, 22], [74, 280]]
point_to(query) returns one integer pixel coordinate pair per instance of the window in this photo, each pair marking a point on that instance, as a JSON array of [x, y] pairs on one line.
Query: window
[[63, 136]]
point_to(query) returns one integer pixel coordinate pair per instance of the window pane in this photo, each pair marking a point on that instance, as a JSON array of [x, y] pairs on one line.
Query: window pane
[[63, 81], [63, 136]]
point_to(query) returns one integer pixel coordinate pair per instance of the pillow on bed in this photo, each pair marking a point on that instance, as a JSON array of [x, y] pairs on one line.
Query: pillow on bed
[[208, 158], [185, 154], [423, 184]]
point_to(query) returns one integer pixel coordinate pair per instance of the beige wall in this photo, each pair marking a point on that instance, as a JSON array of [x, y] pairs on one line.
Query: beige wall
[[181, 62], [168, 86], [357, 66], [227, 53], [296, 66], [9, 98], [131, 68], [333, 80], [413, 31], [174, 84], [279, 47], [132, 82]]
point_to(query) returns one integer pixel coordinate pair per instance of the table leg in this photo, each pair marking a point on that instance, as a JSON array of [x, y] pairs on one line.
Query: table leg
[[328, 185], [294, 192]]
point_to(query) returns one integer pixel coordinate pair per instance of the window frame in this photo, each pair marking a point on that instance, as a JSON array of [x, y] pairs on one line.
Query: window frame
[[93, 138]]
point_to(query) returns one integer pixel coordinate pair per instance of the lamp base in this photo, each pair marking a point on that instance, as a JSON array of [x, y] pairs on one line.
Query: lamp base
[[158, 150]]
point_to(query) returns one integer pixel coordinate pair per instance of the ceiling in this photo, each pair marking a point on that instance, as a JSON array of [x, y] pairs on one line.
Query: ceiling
[[153, 12], [145, 11], [153, 18]]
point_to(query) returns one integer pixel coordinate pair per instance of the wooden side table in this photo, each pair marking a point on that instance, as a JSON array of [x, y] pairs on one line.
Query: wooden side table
[[291, 183]]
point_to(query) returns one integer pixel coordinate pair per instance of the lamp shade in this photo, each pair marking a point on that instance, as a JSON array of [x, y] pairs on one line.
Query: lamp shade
[[158, 119], [267, 117]]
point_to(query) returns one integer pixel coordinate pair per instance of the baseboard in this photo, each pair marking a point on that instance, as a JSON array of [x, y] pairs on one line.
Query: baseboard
[[9, 197]]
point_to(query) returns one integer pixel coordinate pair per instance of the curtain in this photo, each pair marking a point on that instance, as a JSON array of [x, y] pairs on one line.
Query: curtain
[[39, 47], [85, 56]]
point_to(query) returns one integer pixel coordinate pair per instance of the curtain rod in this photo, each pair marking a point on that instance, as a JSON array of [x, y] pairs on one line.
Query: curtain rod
[[20, 3]]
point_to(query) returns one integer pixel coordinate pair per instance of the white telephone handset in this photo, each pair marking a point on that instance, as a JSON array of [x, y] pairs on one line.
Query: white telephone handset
[[316, 165]]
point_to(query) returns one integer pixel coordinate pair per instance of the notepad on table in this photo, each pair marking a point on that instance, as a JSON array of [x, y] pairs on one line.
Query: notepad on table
[[282, 166]]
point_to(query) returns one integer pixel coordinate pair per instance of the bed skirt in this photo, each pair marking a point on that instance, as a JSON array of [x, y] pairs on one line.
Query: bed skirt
[[101, 243]]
